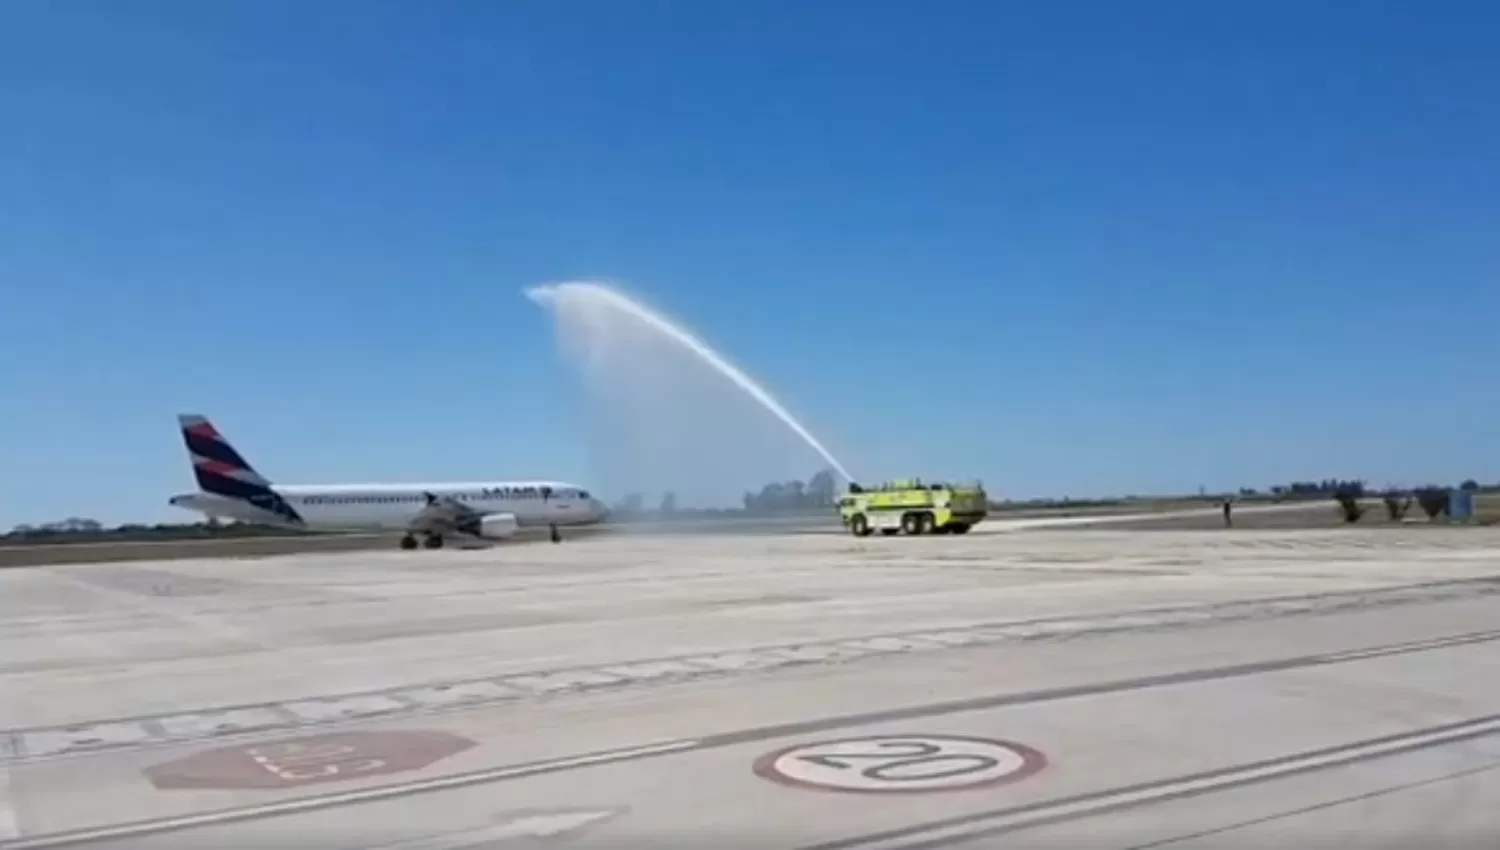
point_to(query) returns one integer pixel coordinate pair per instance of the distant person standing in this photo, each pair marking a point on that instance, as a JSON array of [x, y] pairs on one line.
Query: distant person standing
[[1228, 520]]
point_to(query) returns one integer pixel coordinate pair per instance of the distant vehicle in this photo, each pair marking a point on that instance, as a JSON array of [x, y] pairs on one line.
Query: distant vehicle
[[911, 507], [229, 488]]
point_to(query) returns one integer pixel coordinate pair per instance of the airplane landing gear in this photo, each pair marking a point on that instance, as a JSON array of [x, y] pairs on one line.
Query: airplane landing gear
[[433, 541], [408, 542]]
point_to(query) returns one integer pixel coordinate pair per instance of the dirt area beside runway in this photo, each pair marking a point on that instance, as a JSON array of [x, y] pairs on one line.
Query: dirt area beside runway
[[1324, 514], [34, 555], [31, 555], [1314, 515]]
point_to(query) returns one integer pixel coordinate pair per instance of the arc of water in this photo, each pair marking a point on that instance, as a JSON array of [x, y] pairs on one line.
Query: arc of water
[[552, 294]]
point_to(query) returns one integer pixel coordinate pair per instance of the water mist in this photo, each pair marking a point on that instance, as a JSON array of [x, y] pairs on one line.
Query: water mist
[[646, 365]]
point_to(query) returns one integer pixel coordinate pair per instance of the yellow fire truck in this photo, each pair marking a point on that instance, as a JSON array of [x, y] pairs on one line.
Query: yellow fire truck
[[907, 505]]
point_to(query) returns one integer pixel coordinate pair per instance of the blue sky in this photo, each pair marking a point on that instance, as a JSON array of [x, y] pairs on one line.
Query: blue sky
[[1069, 248]]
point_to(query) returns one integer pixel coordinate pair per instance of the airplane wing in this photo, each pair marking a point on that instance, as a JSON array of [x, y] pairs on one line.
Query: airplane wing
[[446, 517]]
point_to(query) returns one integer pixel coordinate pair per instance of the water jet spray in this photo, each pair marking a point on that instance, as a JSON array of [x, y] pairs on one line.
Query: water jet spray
[[595, 299]]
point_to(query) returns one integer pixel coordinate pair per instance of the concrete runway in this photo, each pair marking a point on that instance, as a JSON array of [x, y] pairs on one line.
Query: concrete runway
[[1298, 515], [1058, 687]]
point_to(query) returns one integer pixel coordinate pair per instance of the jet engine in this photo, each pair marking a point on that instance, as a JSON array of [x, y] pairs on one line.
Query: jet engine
[[497, 526]]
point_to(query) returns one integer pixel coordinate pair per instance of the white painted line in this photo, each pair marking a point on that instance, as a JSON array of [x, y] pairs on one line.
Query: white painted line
[[10, 822], [302, 805], [530, 826], [974, 828]]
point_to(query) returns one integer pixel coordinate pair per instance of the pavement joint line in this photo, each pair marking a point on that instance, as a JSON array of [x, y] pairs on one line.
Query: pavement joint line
[[983, 825], [1322, 805], [230, 723], [317, 802]]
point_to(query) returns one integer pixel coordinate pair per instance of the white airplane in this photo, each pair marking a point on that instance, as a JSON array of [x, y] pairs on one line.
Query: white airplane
[[229, 488]]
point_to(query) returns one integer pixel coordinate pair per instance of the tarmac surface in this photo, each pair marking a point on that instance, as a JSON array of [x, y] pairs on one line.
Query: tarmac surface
[[1040, 685], [1320, 514], [49, 554]]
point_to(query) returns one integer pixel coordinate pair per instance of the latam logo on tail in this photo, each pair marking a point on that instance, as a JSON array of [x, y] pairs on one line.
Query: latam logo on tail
[[222, 472], [230, 488]]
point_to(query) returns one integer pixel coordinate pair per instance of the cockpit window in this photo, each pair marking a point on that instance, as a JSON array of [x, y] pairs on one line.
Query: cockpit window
[[583, 494]]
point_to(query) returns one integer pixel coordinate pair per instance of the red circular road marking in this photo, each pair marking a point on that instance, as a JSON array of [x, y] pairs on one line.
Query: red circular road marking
[[293, 762], [900, 764]]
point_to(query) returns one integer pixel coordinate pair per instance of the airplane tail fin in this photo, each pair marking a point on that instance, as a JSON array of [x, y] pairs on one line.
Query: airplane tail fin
[[222, 471]]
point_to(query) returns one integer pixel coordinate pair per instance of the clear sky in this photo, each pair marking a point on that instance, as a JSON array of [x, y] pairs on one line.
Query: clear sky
[[1070, 248]]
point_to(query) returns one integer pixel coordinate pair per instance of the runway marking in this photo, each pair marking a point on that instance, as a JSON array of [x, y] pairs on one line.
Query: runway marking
[[985, 825], [303, 805], [10, 821], [900, 764], [727, 739], [226, 723], [313, 759]]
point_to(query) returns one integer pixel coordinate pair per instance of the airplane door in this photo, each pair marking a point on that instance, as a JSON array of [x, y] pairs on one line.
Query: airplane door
[[556, 503]]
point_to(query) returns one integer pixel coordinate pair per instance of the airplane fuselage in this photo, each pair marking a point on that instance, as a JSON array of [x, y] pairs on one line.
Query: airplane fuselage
[[381, 507]]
